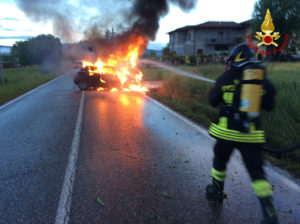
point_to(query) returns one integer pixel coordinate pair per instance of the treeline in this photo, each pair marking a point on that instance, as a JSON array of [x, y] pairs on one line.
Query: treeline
[[40, 50]]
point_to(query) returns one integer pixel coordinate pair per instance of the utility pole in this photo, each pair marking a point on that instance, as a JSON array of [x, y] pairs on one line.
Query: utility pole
[[1, 71]]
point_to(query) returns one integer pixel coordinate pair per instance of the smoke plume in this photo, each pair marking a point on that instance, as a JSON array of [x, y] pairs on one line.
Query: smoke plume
[[92, 19]]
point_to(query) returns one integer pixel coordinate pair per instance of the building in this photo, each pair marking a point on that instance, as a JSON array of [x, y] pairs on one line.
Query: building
[[208, 37]]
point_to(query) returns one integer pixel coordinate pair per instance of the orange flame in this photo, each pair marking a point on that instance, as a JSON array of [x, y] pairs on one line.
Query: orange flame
[[122, 64]]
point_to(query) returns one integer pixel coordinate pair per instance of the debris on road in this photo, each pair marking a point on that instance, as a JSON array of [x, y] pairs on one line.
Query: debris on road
[[100, 201]]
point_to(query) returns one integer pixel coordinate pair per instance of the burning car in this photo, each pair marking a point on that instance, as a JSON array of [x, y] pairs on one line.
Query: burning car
[[89, 77], [116, 71]]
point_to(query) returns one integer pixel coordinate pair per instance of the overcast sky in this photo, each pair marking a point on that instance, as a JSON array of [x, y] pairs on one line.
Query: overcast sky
[[15, 26]]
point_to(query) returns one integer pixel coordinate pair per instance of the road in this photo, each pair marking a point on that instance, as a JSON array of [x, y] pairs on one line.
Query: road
[[117, 157]]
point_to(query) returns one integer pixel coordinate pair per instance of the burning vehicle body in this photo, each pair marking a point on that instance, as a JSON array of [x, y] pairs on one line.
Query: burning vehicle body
[[117, 71], [89, 77]]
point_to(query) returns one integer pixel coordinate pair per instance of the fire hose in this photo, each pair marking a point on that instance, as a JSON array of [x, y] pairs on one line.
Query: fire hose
[[191, 75], [282, 150]]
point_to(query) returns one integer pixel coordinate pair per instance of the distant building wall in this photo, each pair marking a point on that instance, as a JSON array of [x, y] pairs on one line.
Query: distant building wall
[[193, 40]]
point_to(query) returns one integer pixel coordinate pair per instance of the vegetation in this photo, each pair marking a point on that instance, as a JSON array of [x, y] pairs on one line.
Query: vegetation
[[39, 50], [155, 74], [282, 125], [21, 80]]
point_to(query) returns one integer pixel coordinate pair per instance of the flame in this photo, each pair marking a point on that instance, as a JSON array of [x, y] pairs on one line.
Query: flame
[[114, 90], [121, 64], [267, 25]]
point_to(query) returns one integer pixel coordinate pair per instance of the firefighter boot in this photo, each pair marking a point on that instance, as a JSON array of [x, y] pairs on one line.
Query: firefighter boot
[[215, 191], [269, 212]]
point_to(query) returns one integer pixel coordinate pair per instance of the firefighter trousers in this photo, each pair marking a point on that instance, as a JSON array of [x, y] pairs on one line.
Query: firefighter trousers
[[251, 154]]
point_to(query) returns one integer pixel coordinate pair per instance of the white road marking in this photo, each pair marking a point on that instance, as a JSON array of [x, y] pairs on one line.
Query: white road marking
[[271, 172], [31, 91], [64, 205]]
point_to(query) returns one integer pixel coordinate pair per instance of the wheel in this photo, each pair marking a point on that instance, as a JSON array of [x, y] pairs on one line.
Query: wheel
[[82, 84]]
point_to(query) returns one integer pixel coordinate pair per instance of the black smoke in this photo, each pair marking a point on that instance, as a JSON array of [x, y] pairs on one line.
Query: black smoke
[[148, 13], [140, 16], [92, 19]]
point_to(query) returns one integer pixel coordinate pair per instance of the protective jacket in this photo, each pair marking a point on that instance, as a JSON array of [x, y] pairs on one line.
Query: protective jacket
[[226, 92]]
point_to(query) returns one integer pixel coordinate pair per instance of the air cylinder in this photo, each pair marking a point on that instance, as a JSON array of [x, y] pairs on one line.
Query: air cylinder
[[251, 90]]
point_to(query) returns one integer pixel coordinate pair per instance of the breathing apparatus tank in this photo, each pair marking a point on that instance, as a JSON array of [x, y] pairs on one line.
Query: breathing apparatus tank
[[242, 58], [251, 90]]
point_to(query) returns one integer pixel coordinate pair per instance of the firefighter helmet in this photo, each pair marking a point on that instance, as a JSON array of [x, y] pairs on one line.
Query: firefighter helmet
[[240, 55]]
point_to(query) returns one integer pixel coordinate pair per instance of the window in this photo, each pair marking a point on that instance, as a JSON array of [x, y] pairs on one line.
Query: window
[[220, 33], [199, 51], [221, 47], [188, 36]]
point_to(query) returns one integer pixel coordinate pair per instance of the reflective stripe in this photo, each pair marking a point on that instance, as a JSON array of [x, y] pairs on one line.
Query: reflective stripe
[[228, 98], [236, 81], [232, 135], [223, 122], [236, 139], [231, 132], [262, 188], [228, 88], [218, 175], [252, 127]]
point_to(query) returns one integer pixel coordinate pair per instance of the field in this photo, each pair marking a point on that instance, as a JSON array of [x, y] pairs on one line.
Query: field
[[21, 80], [282, 125]]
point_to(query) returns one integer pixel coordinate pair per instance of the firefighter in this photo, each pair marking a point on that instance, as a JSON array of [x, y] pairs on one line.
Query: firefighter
[[234, 130]]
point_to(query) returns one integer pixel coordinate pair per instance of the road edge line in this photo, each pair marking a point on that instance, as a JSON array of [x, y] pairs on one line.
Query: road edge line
[[28, 93], [64, 205], [292, 184]]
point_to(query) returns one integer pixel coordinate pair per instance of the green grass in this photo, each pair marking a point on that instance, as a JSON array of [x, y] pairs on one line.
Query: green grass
[[187, 96], [155, 74], [211, 71], [21, 80], [282, 125]]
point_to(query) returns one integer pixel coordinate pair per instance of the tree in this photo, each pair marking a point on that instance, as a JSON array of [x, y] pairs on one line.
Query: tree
[[38, 50], [44, 49], [20, 51], [166, 51], [152, 53], [286, 18]]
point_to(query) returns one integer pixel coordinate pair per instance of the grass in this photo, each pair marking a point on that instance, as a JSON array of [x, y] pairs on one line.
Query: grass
[[282, 125], [21, 80], [153, 73]]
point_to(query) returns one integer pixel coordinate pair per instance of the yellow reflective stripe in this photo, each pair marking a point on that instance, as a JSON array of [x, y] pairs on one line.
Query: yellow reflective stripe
[[234, 132], [236, 136], [218, 175], [223, 122], [228, 88], [262, 188], [236, 139], [228, 97], [252, 127], [232, 135], [236, 81]]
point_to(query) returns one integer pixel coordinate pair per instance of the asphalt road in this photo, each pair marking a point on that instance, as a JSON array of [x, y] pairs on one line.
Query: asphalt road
[[137, 162]]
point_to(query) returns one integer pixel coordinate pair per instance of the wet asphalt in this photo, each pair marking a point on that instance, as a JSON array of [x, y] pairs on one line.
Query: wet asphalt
[[137, 163]]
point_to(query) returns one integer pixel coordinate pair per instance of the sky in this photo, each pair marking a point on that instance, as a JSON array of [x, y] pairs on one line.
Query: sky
[[14, 25]]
